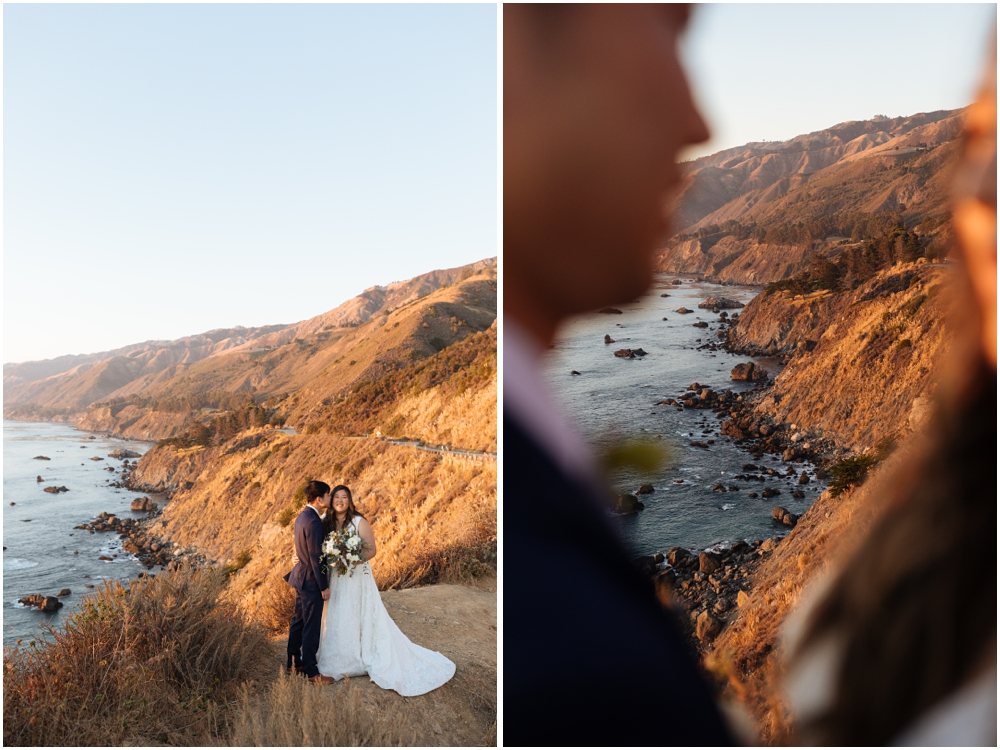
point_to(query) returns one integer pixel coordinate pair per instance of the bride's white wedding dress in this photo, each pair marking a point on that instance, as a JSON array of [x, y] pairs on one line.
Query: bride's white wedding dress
[[358, 637]]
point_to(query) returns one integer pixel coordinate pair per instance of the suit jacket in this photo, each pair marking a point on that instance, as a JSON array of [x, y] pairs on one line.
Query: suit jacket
[[590, 656], [307, 575]]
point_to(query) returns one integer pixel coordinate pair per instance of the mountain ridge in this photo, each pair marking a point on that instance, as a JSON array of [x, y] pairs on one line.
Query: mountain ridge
[[67, 387], [757, 213]]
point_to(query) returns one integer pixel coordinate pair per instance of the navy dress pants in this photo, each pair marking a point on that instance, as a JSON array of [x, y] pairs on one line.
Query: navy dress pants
[[303, 635]]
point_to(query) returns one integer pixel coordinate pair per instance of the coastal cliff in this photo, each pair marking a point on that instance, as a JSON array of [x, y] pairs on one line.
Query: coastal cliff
[[394, 395], [860, 364]]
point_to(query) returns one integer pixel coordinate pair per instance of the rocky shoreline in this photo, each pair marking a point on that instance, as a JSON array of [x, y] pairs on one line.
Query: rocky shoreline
[[138, 537], [707, 587]]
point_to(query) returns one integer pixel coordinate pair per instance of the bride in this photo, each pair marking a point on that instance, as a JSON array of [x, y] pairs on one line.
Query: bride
[[357, 636]]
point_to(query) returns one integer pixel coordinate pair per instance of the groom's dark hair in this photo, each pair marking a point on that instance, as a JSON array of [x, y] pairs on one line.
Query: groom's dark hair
[[315, 489]]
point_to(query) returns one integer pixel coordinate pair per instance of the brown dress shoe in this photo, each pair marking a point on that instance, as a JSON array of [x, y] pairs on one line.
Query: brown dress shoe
[[293, 670], [321, 679]]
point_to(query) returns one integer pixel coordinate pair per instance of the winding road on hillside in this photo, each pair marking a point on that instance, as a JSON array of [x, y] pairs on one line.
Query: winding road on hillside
[[420, 446]]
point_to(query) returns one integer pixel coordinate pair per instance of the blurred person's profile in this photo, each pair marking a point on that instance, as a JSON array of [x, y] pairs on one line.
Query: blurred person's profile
[[596, 109]]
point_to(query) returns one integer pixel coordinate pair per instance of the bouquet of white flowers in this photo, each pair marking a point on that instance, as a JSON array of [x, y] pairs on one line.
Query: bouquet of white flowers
[[342, 550]]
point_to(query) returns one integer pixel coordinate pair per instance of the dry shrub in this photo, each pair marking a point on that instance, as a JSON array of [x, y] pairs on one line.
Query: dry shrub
[[276, 606], [295, 713], [457, 563], [479, 683], [154, 660]]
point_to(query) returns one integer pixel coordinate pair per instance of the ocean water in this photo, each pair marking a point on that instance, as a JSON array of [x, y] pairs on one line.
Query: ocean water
[[38, 534], [613, 400]]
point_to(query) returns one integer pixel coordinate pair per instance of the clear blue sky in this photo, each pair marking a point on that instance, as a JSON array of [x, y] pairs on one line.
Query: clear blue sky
[[776, 71], [169, 169]]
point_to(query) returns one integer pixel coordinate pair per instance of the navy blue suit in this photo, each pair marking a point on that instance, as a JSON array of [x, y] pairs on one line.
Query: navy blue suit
[[590, 656], [309, 582]]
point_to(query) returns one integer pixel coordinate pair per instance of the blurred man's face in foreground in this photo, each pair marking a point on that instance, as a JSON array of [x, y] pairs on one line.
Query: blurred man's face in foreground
[[596, 109]]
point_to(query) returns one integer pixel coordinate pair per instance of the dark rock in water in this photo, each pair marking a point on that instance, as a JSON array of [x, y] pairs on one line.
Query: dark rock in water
[[803, 478], [719, 488], [123, 453], [625, 353], [104, 557], [748, 371], [628, 504], [675, 282], [56, 490], [822, 473], [39, 479], [611, 311], [645, 564], [698, 444], [639, 352], [770, 492], [708, 562], [44, 603], [143, 504], [790, 519], [42, 458], [711, 303], [96, 458], [798, 494], [749, 467], [676, 555], [664, 295], [700, 324], [752, 494], [608, 339], [658, 558], [664, 318], [707, 627], [64, 592], [683, 310], [646, 489], [573, 372]]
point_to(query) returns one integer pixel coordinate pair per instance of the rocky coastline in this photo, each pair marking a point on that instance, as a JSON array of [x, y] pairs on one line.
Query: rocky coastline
[[707, 587], [138, 535]]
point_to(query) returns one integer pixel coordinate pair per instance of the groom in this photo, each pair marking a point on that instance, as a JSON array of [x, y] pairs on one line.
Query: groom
[[310, 585]]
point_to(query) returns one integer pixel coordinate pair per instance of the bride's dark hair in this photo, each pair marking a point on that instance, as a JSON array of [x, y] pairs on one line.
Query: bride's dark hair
[[330, 522]]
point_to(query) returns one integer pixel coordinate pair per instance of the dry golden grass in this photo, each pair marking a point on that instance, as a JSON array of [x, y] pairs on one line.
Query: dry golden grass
[[434, 515], [157, 661], [467, 420], [292, 712], [842, 386]]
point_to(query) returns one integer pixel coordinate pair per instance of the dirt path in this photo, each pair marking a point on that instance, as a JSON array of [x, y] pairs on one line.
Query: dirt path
[[461, 623]]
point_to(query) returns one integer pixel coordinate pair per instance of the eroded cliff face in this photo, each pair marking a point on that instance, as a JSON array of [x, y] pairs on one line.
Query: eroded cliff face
[[728, 260], [133, 422], [860, 363]]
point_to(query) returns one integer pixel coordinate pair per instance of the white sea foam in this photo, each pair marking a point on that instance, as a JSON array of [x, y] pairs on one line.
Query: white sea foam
[[16, 563]]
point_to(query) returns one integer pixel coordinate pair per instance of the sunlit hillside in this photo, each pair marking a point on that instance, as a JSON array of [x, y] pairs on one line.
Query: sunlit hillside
[[758, 213]]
